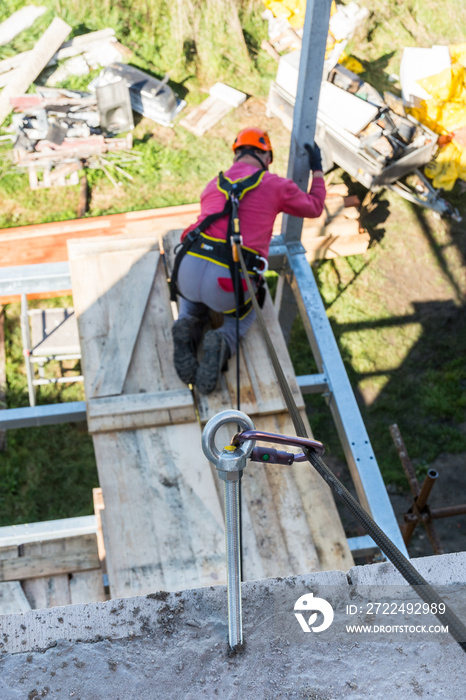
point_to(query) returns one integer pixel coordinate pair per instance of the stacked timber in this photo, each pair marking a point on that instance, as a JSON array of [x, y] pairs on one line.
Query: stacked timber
[[162, 518], [337, 232]]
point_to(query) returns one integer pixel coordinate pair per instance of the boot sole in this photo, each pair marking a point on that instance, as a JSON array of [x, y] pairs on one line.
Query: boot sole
[[184, 359], [212, 363]]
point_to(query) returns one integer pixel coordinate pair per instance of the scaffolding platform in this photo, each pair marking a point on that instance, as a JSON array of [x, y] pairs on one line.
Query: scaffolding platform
[[162, 519]]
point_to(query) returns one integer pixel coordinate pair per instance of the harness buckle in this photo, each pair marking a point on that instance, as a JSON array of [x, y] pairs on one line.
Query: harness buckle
[[192, 235], [236, 239]]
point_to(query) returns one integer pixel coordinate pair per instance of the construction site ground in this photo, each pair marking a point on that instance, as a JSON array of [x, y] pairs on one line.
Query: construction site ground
[[415, 265]]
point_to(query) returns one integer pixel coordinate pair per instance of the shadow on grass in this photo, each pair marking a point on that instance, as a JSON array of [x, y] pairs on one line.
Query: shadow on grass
[[425, 395]]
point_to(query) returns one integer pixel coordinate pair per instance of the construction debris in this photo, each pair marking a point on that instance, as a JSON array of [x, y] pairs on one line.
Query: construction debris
[[149, 96], [59, 131], [357, 130], [18, 22], [95, 48], [222, 99], [35, 62]]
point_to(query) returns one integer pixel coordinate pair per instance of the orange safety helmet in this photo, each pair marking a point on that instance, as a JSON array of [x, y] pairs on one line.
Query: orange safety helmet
[[253, 138]]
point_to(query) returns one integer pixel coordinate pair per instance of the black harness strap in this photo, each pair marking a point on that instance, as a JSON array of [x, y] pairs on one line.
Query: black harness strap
[[221, 251]]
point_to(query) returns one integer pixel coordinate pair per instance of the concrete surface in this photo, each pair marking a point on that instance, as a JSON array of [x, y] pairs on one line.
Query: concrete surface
[[175, 645]]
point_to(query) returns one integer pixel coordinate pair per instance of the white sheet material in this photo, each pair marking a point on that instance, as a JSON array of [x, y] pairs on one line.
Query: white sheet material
[[417, 64], [344, 109]]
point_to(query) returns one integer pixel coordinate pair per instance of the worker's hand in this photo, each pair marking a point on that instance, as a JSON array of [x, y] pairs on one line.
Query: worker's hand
[[315, 158]]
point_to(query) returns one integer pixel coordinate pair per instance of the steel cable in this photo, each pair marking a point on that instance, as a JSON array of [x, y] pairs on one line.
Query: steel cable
[[423, 589]]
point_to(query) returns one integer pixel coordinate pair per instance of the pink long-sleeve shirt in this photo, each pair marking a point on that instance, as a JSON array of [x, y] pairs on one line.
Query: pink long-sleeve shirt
[[260, 206]]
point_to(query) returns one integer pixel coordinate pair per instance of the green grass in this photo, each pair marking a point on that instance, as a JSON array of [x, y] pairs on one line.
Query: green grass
[[46, 472]]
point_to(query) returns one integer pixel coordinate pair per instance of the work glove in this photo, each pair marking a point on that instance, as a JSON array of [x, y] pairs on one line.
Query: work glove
[[315, 158]]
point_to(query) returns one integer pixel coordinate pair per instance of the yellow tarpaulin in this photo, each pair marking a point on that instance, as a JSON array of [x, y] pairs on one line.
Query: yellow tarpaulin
[[445, 113]]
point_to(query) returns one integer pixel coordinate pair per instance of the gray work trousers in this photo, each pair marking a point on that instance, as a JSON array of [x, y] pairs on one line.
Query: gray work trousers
[[198, 283]]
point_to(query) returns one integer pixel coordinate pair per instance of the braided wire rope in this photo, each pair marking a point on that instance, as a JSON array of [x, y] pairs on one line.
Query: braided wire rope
[[419, 584]]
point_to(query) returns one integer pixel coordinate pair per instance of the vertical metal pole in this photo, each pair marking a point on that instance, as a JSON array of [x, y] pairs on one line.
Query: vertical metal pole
[[232, 538], [307, 99], [311, 68], [26, 334]]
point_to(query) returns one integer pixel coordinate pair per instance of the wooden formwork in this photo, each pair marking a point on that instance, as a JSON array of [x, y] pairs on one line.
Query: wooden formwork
[[49, 573], [163, 520]]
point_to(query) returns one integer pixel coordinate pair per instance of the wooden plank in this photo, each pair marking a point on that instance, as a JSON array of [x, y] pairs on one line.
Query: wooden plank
[[314, 500], [87, 587], [37, 566], [133, 411], [28, 71], [327, 247], [12, 598], [118, 348], [152, 367], [70, 48], [206, 115], [46, 530], [96, 303], [99, 507], [163, 524], [53, 559], [35, 244], [19, 21], [290, 522], [337, 226], [260, 393]]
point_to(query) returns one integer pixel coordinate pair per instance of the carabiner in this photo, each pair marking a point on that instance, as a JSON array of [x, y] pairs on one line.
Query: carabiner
[[264, 268], [294, 441]]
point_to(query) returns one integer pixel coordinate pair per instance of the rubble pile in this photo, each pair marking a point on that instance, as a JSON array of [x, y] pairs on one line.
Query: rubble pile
[[56, 132]]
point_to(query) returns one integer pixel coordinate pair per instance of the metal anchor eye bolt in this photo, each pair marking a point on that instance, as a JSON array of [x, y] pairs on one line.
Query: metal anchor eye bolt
[[230, 463]]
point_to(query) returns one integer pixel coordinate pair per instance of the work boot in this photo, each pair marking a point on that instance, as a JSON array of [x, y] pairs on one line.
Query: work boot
[[216, 354], [184, 350]]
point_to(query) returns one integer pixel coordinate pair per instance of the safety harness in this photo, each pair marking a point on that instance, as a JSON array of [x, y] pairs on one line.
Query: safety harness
[[222, 252]]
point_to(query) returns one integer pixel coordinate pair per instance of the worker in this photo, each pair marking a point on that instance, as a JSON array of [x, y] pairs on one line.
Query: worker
[[202, 276]]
